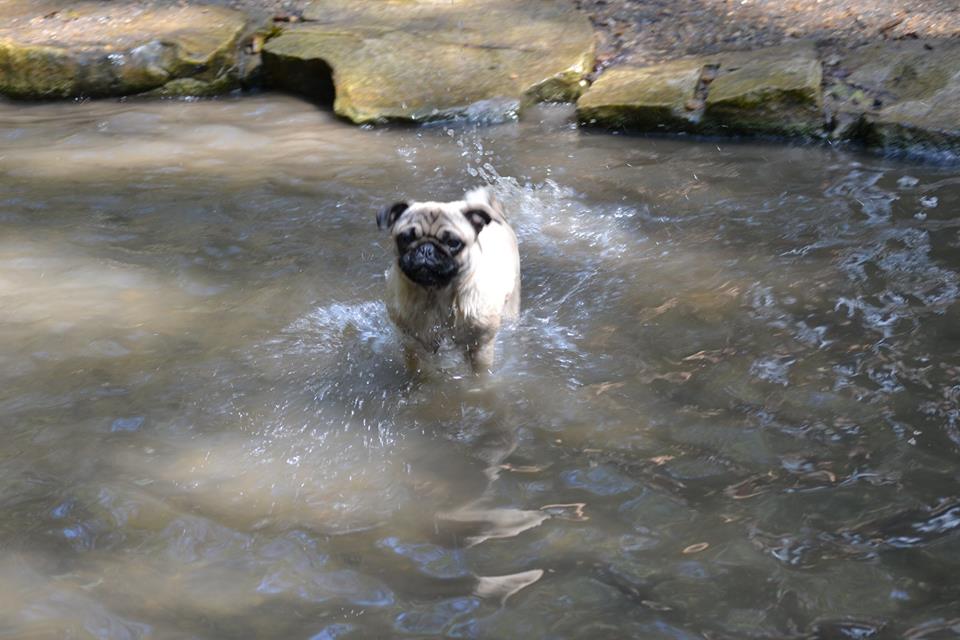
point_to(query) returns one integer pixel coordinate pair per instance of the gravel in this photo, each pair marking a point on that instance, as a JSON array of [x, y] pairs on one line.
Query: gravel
[[642, 32], [647, 31]]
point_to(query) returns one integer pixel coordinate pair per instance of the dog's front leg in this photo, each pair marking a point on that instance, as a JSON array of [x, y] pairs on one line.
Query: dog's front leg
[[417, 350], [411, 358], [481, 356]]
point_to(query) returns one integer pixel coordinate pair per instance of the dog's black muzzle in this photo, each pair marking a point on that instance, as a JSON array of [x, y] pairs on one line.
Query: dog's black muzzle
[[428, 265]]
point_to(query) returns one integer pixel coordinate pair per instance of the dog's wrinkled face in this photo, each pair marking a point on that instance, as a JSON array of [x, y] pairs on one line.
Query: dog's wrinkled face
[[433, 240]]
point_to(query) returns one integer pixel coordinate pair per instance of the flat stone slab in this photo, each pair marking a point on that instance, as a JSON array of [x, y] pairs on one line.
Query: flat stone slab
[[902, 96], [775, 91], [645, 98], [421, 60], [101, 48]]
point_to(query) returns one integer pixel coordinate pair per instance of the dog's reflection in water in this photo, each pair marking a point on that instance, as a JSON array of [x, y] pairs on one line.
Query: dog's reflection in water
[[474, 469], [453, 469]]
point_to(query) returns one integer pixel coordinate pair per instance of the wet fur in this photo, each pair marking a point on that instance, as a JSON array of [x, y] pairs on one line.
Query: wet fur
[[485, 291]]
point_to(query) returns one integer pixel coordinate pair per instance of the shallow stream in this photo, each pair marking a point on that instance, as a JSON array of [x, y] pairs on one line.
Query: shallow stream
[[731, 407]]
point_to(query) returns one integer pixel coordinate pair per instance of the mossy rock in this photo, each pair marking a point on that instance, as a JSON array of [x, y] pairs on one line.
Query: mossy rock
[[908, 97], [656, 98], [99, 48], [929, 125], [421, 60], [194, 88], [902, 70], [774, 91]]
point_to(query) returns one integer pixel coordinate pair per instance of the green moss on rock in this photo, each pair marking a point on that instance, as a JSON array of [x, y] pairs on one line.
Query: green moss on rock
[[193, 87]]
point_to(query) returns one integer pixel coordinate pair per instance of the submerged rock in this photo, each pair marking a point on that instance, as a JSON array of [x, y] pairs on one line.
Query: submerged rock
[[902, 95], [97, 48], [775, 91], [421, 60]]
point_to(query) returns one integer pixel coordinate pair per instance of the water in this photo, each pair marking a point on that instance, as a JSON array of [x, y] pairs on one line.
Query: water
[[731, 407]]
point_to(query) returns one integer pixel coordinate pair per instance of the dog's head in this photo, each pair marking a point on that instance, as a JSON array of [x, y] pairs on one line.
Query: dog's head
[[434, 241]]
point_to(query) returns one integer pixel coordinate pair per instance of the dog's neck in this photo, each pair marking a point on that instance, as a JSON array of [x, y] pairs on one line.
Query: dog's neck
[[426, 295], [448, 305]]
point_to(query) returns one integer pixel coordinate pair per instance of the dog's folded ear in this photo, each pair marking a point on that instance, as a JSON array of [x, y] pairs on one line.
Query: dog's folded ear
[[479, 218], [483, 198], [482, 208], [389, 214]]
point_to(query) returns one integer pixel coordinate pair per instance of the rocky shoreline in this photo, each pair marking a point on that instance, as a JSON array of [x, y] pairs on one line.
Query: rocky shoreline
[[423, 60]]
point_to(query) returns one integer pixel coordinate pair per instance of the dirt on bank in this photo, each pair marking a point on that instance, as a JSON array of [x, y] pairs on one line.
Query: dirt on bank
[[647, 31], [641, 32]]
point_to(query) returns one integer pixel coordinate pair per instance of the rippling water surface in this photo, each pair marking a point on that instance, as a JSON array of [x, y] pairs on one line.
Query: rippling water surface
[[731, 408]]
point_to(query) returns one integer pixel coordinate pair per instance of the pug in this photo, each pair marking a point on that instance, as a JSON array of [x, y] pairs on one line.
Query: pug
[[456, 276]]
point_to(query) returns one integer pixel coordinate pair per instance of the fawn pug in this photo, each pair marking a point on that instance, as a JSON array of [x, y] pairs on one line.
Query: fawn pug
[[456, 275]]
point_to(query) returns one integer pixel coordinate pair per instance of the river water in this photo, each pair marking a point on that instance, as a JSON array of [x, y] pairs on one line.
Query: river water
[[730, 409]]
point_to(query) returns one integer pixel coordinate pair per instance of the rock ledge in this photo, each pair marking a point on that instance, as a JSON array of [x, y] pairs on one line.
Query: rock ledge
[[422, 60], [96, 49]]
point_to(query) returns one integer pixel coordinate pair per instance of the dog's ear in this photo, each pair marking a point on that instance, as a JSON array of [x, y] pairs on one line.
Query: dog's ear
[[478, 218], [389, 214], [483, 198]]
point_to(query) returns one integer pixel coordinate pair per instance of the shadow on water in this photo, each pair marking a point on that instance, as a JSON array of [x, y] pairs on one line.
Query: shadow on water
[[729, 408]]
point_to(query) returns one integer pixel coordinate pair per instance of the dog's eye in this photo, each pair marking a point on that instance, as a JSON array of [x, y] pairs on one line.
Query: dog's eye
[[407, 237], [453, 244]]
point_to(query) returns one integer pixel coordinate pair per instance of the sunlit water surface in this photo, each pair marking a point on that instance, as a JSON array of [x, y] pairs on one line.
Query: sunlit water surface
[[731, 407]]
